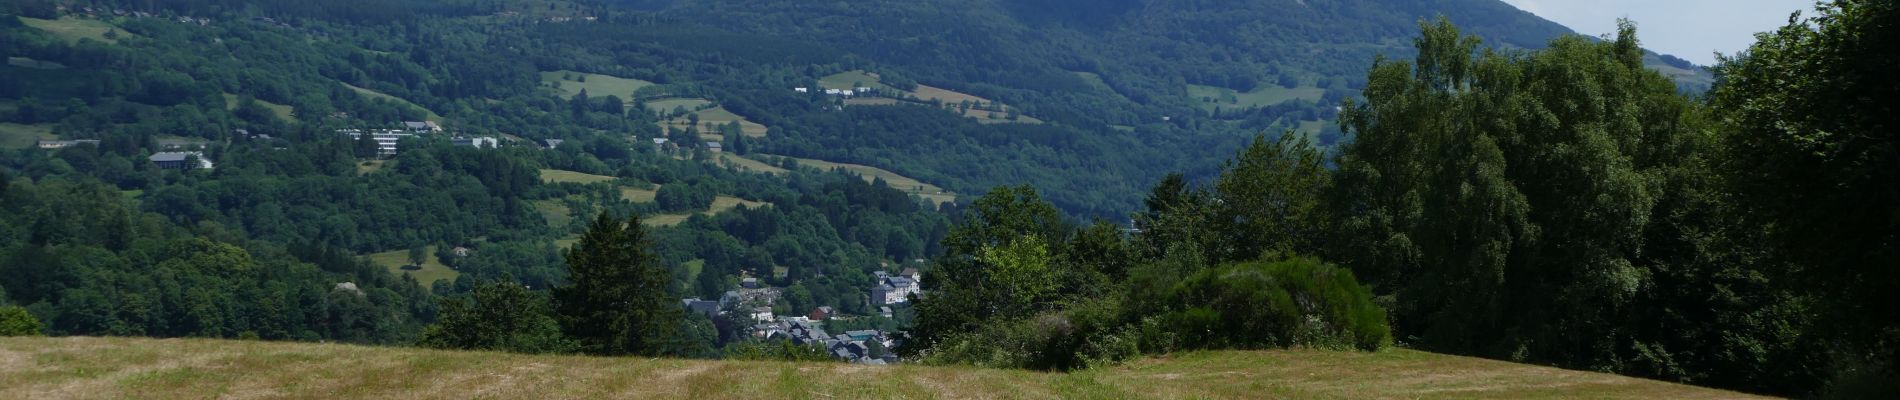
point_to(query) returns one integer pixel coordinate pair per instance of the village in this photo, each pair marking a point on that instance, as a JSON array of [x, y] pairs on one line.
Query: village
[[752, 303]]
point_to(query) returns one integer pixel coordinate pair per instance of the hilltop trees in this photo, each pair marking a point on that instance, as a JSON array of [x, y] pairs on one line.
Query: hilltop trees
[[498, 315], [618, 298]]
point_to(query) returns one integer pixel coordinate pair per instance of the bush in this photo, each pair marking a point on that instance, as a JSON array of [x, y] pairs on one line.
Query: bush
[[15, 321], [1296, 302]]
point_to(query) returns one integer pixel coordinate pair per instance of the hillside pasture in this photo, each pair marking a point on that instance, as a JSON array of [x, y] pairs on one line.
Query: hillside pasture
[[670, 104], [90, 367], [431, 270], [717, 116], [24, 62], [748, 164], [73, 29], [568, 83], [638, 195], [935, 194], [1260, 97], [282, 111], [853, 79], [565, 176], [430, 115], [21, 136], [720, 204]]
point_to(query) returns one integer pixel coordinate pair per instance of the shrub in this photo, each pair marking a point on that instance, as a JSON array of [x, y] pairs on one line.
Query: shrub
[[1295, 302], [15, 321]]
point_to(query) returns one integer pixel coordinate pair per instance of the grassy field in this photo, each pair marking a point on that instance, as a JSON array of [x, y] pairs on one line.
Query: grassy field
[[85, 367], [558, 176], [667, 105], [18, 136], [282, 111], [72, 29], [852, 79], [370, 167], [720, 204], [750, 164], [556, 213], [24, 62], [1266, 96], [597, 85], [715, 115], [984, 117], [431, 115], [639, 195], [903, 183], [870, 101], [432, 270]]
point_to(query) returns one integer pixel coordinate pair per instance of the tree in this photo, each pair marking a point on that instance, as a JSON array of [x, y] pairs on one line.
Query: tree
[[15, 321], [1269, 198], [417, 256], [498, 315], [1809, 111], [995, 266], [617, 300]]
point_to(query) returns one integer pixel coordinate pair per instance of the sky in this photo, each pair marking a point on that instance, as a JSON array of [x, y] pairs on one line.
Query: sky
[[1691, 29]]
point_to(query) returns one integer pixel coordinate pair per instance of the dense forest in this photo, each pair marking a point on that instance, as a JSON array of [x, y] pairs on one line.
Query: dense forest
[[1497, 188]]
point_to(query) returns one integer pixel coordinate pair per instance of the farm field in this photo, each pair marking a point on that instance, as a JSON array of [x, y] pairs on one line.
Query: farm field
[[556, 213], [1260, 97], [670, 104], [73, 29], [853, 79], [596, 85], [565, 176], [432, 269], [906, 184], [93, 367], [638, 195], [19, 136], [925, 93]]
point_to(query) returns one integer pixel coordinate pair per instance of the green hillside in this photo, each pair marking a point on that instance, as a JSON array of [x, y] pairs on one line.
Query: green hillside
[[82, 367]]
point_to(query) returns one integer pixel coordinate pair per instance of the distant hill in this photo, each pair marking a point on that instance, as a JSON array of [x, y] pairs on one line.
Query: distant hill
[[81, 367]]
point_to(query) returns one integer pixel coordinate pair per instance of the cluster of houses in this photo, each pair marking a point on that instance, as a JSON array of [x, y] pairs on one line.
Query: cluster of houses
[[837, 92], [387, 138], [752, 301], [164, 159]]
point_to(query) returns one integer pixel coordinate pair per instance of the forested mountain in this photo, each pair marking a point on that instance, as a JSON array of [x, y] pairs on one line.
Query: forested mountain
[[1070, 183]]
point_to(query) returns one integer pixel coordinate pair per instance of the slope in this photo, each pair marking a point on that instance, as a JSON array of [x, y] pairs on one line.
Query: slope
[[83, 367]]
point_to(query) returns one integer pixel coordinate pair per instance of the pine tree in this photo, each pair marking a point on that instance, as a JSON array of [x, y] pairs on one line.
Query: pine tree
[[617, 300]]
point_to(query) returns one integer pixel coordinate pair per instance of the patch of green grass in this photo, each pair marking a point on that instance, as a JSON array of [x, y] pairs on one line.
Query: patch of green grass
[[1260, 97], [73, 29], [18, 136], [716, 116], [559, 176], [750, 164], [668, 105], [567, 242], [63, 367], [432, 268], [431, 115], [720, 204], [902, 183], [596, 85], [556, 213], [853, 79], [282, 111], [692, 269], [370, 167], [24, 62]]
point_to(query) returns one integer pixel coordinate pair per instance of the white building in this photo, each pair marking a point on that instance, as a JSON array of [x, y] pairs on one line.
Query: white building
[[386, 139]]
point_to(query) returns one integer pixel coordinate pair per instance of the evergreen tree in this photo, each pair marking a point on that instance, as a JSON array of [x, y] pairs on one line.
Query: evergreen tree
[[617, 300]]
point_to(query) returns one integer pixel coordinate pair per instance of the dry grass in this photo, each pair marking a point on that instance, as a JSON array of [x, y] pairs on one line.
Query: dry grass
[[559, 176], [639, 195], [906, 184], [61, 368]]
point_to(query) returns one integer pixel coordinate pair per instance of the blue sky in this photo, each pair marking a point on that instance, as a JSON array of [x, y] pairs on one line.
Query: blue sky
[[1691, 29]]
